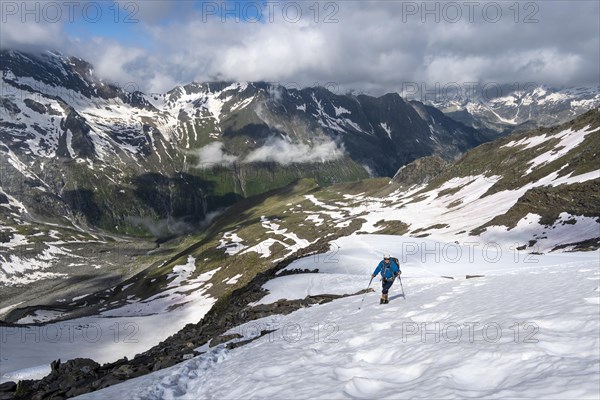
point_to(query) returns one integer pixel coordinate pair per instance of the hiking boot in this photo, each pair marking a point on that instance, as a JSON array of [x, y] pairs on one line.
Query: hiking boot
[[382, 300], [385, 299]]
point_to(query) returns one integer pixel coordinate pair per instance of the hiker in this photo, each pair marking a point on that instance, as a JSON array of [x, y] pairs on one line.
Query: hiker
[[389, 270]]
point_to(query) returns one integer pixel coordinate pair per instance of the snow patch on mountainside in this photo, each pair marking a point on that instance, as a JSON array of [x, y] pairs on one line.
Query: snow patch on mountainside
[[19, 269], [387, 129], [264, 248], [232, 243], [568, 141], [529, 227], [181, 273], [340, 111]]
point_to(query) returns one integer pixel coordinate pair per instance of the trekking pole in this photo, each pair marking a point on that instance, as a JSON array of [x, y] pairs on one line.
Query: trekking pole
[[365, 295], [402, 287]]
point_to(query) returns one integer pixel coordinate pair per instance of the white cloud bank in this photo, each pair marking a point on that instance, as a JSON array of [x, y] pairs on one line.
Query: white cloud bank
[[214, 154], [284, 152], [275, 150]]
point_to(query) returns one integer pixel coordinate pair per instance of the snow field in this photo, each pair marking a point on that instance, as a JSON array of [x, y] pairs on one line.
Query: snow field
[[524, 330]]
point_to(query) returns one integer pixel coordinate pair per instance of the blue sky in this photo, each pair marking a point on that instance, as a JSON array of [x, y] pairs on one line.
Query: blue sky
[[123, 20], [124, 31]]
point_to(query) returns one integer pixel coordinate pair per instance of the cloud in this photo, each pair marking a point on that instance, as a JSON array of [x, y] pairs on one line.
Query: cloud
[[118, 64], [390, 49], [214, 154], [275, 150], [162, 228], [31, 37], [284, 152], [275, 93]]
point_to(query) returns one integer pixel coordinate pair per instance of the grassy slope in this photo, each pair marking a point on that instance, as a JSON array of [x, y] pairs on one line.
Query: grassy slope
[[289, 208], [511, 163], [489, 159]]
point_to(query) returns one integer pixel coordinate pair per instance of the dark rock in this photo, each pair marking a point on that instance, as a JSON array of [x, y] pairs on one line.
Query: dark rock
[[123, 372], [7, 390], [224, 338], [157, 366], [106, 381], [243, 342], [77, 391], [8, 387], [420, 171], [298, 271], [586, 245], [26, 386], [35, 106], [475, 276], [143, 359], [54, 366]]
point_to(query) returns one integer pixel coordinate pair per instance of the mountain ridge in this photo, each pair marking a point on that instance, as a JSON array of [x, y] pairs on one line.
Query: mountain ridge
[[59, 119], [520, 109]]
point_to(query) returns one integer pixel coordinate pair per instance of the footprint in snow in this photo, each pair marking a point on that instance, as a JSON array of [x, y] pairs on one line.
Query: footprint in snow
[[358, 340], [430, 317], [347, 373], [377, 355], [379, 326], [359, 387], [270, 372]]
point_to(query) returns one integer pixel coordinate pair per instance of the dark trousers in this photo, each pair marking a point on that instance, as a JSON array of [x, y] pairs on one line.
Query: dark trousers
[[386, 285]]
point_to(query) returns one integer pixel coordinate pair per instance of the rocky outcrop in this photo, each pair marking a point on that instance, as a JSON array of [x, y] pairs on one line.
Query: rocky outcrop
[[7, 390], [420, 171]]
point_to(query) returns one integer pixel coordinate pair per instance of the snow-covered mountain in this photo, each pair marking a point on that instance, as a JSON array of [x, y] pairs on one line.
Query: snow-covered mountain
[[519, 109], [92, 154], [91, 175], [515, 210]]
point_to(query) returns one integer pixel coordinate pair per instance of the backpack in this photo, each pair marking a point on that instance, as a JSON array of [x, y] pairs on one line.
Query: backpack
[[383, 269]]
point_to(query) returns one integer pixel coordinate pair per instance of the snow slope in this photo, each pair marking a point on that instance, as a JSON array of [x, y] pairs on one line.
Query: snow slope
[[109, 336], [438, 215], [528, 329]]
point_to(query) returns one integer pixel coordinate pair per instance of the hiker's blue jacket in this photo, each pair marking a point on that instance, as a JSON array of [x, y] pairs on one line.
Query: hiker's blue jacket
[[387, 271]]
